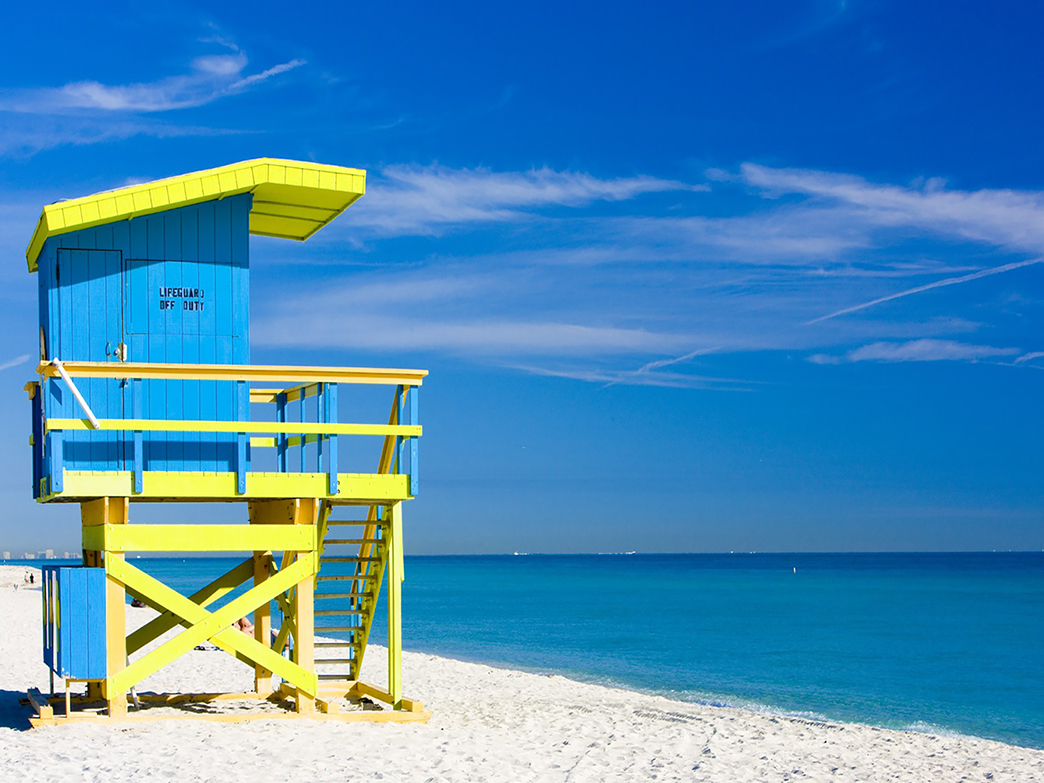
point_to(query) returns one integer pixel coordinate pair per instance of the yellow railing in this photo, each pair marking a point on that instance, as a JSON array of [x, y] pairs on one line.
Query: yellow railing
[[301, 383]]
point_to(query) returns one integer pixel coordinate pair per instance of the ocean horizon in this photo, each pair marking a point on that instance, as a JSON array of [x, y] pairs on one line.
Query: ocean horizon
[[938, 642]]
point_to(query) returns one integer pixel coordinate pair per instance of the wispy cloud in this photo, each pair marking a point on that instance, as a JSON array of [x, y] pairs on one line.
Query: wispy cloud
[[91, 112], [17, 361], [917, 351], [608, 377], [29, 135], [1004, 218], [209, 78], [476, 337], [406, 200]]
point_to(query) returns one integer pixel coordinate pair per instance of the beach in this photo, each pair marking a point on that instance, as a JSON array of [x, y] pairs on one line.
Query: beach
[[489, 724]]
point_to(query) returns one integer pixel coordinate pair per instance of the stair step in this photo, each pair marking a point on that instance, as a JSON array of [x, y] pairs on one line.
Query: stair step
[[320, 612], [334, 677], [319, 596], [351, 541], [345, 522], [349, 559], [338, 628], [320, 643], [347, 578], [334, 660]]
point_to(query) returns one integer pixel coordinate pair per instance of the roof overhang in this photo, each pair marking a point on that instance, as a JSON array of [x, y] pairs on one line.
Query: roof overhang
[[292, 199]]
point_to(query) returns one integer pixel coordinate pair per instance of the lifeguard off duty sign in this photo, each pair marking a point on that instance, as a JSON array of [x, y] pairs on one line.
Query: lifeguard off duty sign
[[190, 298]]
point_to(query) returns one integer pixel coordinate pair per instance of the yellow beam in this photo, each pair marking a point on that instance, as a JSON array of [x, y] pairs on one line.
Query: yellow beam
[[293, 393], [215, 625], [177, 425], [192, 485], [361, 688], [237, 372], [198, 538], [217, 589], [394, 597]]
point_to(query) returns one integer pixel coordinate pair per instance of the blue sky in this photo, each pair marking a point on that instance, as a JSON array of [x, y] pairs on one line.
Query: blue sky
[[749, 276]]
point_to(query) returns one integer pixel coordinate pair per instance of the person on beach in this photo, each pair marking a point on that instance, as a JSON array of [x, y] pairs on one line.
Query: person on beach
[[244, 625]]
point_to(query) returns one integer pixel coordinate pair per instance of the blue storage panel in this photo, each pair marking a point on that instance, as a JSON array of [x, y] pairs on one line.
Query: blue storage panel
[[74, 621]]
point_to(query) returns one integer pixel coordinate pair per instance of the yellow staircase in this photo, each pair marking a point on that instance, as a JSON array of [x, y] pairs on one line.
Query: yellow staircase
[[351, 570]]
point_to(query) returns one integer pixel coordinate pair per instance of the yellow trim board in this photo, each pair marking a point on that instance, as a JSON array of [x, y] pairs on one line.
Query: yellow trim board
[[292, 199], [182, 425], [200, 538], [271, 373], [195, 486]]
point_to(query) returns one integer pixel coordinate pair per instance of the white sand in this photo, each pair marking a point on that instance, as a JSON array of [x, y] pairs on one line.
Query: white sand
[[489, 724]]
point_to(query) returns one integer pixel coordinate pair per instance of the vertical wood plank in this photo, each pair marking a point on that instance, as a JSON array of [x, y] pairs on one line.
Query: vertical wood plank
[[208, 352]]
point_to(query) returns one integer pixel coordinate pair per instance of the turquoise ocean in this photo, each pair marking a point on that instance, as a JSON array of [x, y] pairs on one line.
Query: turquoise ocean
[[942, 643]]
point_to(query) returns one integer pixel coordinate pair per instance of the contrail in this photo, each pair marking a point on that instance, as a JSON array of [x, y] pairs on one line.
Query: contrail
[[938, 284], [15, 362], [657, 365]]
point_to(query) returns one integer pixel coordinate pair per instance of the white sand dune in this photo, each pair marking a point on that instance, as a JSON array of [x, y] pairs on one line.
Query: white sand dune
[[489, 725]]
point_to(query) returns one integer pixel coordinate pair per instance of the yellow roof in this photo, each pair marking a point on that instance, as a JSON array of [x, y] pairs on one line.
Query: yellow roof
[[292, 199]]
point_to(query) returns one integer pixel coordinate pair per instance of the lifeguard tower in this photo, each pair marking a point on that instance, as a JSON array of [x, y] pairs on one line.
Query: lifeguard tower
[[146, 395]]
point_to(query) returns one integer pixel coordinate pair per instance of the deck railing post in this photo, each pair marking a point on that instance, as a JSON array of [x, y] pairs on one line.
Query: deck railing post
[[331, 418], [400, 418], [242, 414], [304, 438], [320, 417], [281, 438], [414, 418], [139, 456]]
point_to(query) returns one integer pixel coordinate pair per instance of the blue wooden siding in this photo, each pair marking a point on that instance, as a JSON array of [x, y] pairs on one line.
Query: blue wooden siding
[[174, 287], [74, 621]]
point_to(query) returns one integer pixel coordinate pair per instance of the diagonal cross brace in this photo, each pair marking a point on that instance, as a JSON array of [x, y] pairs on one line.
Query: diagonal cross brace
[[217, 589], [212, 625]]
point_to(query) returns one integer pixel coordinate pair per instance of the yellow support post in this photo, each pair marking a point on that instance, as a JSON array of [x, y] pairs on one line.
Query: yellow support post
[[395, 577], [262, 625], [95, 515], [306, 513]]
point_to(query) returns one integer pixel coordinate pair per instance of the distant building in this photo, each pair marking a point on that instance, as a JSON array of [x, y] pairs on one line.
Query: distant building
[[48, 554], [30, 556], [7, 555]]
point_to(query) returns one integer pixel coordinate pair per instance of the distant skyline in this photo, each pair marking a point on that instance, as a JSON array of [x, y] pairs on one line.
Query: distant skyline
[[751, 277]]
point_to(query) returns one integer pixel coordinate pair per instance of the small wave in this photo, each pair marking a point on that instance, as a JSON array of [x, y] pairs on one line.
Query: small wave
[[923, 727]]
